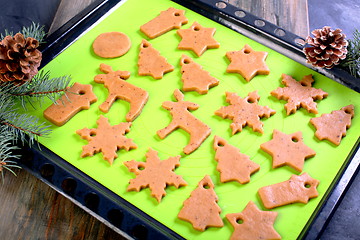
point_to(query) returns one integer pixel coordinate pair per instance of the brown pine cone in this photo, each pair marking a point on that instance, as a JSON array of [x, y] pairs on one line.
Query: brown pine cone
[[328, 47], [19, 59]]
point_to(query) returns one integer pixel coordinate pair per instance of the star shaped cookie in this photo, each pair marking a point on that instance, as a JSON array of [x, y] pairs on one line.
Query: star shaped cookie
[[247, 62], [287, 149], [252, 223], [197, 38]]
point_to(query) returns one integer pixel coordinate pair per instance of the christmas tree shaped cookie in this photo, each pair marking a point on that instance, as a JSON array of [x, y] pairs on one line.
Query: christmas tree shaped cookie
[[151, 63], [194, 78], [299, 94], [247, 62], [106, 139], [201, 208], [333, 126], [244, 111], [288, 149], [154, 174], [252, 223], [232, 164], [182, 118], [197, 38]]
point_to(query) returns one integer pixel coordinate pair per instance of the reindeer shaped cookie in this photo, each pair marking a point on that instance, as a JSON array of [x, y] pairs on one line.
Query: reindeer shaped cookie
[[183, 119], [118, 88]]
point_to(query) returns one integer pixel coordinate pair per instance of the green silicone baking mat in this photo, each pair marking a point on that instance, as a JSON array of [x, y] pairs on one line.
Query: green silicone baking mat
[[79, 61]]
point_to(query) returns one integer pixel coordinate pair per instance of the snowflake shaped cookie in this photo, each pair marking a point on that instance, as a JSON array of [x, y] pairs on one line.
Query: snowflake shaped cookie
[[299, 94], [154, 174], [244, 111], [106, 139]]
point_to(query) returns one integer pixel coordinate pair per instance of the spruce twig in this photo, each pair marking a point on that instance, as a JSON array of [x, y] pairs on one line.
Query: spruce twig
[[352, 60], [35, 31], [39, 87]]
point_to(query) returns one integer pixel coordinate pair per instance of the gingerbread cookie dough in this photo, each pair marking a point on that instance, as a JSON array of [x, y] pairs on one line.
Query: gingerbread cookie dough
[[247, 62], [197, 39], [201, 208], [79, 97], [244, 111], [333, 126], [288, 149], [167, 20], [298, 189], [154, 174], [111, 44], [182, 118], [299, 94]]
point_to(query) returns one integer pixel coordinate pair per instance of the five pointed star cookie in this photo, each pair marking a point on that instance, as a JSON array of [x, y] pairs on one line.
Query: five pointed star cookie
[[252, 223], [288, 149], [197, 39], [247, 62]]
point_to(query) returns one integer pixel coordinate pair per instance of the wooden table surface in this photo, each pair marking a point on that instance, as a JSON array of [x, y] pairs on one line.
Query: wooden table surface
[[30, 209]]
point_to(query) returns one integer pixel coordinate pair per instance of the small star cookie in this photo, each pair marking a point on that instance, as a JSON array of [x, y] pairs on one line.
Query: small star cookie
[[247, 62], [252, 223], [197, 38], [333, 126], [288, 149]]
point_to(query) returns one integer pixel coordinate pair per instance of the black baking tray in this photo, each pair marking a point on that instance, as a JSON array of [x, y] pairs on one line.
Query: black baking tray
[[117, 213]]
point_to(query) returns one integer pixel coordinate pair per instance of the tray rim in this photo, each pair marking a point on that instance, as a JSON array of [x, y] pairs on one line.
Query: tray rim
[[75, 27]]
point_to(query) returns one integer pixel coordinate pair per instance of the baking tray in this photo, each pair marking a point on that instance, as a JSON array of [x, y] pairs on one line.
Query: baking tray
[[137, 214]]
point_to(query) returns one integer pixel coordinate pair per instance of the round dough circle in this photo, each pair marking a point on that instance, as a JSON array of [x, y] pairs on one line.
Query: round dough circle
[[111, 44]]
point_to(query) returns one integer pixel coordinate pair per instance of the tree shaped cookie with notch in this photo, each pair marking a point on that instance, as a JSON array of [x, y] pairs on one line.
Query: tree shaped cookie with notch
[[155, 174], [299, 94], [247, 62], [232, 164], [182, 118], [333, 126], [288, 149], [151, 63], [201, 208], [197, 38], [252, 223], [194, 77], [106, 139], [245, 111]]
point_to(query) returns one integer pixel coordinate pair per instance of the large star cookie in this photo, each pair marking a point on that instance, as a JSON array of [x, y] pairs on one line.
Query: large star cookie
[[197, 38], [299, 94], [333, 126], [252, 223], [244, 111], [153, 168], [247, 62], [288, 149]]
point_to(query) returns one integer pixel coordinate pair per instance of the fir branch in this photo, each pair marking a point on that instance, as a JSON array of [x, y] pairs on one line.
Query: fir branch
[[39, 87], [6, 33], [352, 60], [35, 31], [7, 150]]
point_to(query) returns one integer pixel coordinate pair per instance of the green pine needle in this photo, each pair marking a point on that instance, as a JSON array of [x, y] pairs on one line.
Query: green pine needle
[[352, 60], [34, 30]]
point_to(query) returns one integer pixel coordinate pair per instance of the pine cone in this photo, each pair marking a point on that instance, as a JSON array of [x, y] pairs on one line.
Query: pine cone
[[328, 47], [19, 59]]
